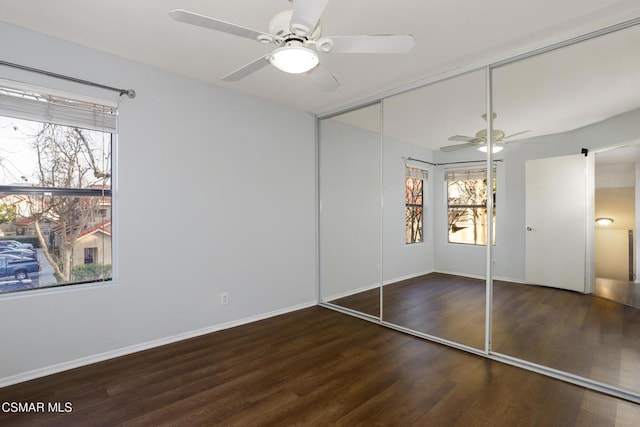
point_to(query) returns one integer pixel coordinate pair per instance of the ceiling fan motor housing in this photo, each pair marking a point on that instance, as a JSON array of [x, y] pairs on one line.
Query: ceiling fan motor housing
[[280, 26], [498, 135]]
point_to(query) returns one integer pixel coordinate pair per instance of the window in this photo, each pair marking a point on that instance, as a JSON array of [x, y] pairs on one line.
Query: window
[[413, 198], [467, 206], [90, 254], [55, 187]]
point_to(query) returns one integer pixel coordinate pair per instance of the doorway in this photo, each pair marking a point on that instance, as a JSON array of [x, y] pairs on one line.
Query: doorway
[[616, 177]]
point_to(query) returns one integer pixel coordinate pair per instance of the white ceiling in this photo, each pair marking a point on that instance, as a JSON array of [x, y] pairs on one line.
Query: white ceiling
[[449, 34], [558, 91]]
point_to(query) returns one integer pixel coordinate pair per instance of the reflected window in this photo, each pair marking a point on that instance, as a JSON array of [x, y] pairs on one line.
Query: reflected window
[[414, 204], [467, 206]]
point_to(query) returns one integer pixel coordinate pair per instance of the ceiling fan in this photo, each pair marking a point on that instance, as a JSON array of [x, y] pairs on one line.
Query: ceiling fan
[[297, 34], [480, 139]]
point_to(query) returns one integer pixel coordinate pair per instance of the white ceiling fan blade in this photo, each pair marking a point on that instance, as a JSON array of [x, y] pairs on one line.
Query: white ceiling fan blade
[[383, 43], [458, 146], [323, 78], [515, 134], [306, 14], [244, 71], [462, 138], [187, 17]]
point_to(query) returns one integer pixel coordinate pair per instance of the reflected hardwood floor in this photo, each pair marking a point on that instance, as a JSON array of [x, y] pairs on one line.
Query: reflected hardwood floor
[[367, 302], [313, 367], [582, 334], [437, 304], [621, 291]]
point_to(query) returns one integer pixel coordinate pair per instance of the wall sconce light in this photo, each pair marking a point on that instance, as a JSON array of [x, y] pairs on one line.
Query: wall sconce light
[[604, 221]]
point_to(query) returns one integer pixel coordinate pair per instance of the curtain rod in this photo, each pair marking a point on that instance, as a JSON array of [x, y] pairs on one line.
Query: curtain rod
[[448, 163], [129, 92]]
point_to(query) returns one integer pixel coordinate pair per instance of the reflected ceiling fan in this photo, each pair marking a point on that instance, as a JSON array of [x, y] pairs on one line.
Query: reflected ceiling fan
[[297, 34], [480, 139]]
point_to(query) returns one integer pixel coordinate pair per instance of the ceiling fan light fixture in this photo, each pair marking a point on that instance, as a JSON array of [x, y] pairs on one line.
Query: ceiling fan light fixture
[[494, 149], [294, 59]]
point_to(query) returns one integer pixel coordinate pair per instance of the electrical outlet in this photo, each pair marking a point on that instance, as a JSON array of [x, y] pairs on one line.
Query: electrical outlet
[[224, 298]]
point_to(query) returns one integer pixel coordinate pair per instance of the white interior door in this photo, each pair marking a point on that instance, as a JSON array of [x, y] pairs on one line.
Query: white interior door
[[556, 222]]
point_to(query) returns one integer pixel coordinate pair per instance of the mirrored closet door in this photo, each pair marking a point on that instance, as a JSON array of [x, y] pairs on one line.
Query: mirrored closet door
[[434, 247], [350, 182], [405, 226], [569, 264]]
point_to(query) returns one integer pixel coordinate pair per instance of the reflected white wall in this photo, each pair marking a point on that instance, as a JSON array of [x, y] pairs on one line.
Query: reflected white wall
[[350, 209]]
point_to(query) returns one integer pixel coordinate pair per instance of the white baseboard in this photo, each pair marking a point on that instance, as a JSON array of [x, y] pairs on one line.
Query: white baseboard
[[374, 286], [411, 276], [476, 276], [407, 277], [350, 292], [511, 280], [457, 273], [84, 361]]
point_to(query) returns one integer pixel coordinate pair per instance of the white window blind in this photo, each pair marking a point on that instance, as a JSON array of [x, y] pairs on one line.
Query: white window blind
[[454, 175], [411, 172], [38, 106]]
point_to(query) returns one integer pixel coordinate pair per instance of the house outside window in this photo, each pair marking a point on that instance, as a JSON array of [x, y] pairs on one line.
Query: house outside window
[[55, 185], [467, 206], [414, 204]]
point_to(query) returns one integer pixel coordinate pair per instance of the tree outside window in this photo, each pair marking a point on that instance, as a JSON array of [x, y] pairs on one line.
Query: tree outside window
[[414, 203], [467, 206]]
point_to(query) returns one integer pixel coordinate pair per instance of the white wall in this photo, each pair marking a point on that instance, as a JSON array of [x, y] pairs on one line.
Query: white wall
[[227, 177], [612, 254]]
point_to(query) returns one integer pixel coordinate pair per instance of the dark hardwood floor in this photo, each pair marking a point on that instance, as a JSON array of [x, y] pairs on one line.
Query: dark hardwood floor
[[582, 334], [312, 367]]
